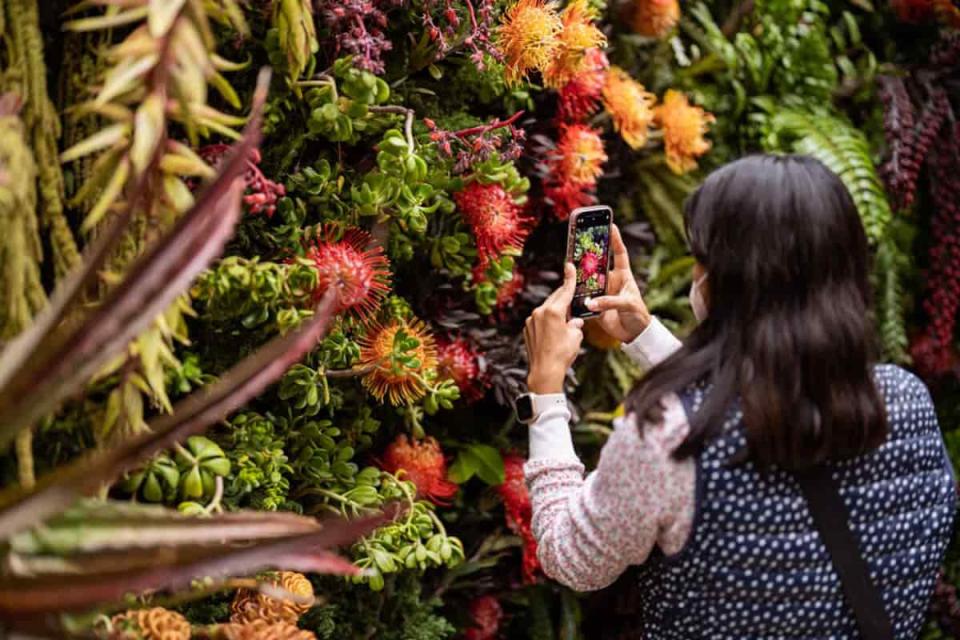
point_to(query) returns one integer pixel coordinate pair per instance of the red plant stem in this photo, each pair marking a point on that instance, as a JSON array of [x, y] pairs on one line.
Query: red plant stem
[[484, 128], [473, 16]]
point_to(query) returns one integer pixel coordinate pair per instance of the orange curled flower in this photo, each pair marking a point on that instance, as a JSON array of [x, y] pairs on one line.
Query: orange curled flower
[[579, 155], [684, 127], [528, 38], [401, 357], [422, 463], [580, 98], [579, 35], [630, 106], [655, 18]]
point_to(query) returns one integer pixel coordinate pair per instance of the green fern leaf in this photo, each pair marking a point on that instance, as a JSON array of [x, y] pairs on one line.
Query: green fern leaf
[[844, 149]]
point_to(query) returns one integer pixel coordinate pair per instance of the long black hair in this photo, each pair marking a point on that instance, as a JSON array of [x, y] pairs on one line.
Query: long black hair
[[788, 333]]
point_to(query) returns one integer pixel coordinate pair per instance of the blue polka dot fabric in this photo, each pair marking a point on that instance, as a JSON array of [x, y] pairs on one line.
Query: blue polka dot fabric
[[754, 566]]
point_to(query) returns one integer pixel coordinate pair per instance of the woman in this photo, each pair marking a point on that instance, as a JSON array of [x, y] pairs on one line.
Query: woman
[[697, 483]]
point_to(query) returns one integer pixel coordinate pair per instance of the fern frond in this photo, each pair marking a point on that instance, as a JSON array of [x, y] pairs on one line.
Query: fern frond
[[844, 149], [890, 303]]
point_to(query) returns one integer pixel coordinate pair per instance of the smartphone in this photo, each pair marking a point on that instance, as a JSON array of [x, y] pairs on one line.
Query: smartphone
[[588, 248]]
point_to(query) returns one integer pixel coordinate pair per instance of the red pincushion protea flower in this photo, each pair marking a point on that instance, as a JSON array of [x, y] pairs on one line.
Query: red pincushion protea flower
[[516, 503], [497, 221], [422, 462], [507, 294], [589, 264], [580, 98], [458, 360], [486, 613], [261, 194], [359, 271]]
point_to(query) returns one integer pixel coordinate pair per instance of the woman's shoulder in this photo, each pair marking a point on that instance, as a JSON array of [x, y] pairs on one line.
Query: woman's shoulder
[[896, 383]]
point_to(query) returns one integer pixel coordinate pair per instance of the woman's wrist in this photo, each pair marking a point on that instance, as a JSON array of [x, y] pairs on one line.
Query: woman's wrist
[[544, 382]]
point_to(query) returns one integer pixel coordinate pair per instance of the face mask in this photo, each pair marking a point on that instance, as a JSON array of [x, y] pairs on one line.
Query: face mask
[[697, 303]]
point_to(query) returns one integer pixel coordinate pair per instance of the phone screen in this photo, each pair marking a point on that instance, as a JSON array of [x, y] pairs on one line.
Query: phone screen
[[590, 255]]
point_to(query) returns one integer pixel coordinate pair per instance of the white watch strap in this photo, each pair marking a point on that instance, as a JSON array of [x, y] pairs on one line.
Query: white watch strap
[[542, 402]]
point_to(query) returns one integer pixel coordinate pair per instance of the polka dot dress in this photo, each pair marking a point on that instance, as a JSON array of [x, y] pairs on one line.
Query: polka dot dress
[[754, 566]]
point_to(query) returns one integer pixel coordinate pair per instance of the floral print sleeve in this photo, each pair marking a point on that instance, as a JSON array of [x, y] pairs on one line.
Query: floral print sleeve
[[589, 530]]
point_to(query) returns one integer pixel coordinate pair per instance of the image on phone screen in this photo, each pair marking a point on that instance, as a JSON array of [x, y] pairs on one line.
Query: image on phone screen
[[590, 256]]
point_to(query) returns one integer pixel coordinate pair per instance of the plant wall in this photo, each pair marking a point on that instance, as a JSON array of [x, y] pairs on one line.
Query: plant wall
[[421, 158]]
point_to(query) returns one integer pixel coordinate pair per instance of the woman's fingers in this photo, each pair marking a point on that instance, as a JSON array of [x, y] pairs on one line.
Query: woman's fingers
[[621, 259], [563, 296], [605, 303]]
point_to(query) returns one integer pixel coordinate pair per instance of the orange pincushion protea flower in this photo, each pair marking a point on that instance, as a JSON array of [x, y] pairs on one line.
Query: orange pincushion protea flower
[[580, 98], [573, 168], [519, 512], [422, 462], [497, 221], [528, 38], [402, 358], [655, 18], [684, 127], [579, 35], [579, 155], [358, 271], [629, 105]]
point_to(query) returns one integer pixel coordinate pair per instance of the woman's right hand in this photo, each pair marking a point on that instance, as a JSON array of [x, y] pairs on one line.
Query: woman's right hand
[[623, 313]]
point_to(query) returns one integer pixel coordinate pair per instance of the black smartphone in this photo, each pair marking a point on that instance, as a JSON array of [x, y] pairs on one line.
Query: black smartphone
[[588, 248]]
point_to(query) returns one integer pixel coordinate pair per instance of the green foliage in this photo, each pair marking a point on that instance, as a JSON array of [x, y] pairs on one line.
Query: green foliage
[[261, 477], [843, 148], [479, 460], [264, 295]]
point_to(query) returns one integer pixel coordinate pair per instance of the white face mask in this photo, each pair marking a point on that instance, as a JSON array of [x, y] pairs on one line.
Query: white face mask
[[697, 303]]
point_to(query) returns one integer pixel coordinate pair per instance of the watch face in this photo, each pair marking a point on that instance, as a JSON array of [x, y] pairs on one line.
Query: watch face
[[524, 408]]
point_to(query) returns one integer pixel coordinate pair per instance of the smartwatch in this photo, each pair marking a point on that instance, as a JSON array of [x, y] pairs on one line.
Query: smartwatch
[[529, 406]]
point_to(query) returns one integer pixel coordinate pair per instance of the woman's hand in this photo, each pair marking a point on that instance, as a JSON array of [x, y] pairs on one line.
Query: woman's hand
[[553, 342], [623, 313]]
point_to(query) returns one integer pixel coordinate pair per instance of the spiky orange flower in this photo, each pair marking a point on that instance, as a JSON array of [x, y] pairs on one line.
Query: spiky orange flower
[[579, 35], [573, 167], [356, 268], [630, 106], [519, 511], [684, 127], [402, 358], [422, 462], [580, 98], [497, 221], [654, 18], [528, 37], [459, 360], [579, 155]]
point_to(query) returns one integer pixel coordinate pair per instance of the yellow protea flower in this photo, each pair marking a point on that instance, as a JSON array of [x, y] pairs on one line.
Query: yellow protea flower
[[249, 605], [630, 106], [578, 35], [151, 624], [528, 38], [402, 360], [655, 18], [684, 127]]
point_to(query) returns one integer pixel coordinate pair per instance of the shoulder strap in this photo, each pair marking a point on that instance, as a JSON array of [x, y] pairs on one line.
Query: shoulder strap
[[831, 518]]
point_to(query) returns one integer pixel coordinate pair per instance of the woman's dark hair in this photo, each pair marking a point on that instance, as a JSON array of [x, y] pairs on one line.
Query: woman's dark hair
[[789, 332]]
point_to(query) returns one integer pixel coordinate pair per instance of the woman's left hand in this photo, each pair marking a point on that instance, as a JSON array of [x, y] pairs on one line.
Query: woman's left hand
[[553, 342]]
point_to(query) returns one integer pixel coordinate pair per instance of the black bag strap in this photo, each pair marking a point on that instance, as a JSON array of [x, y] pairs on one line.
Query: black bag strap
[[832, 520]]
